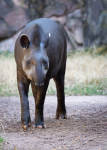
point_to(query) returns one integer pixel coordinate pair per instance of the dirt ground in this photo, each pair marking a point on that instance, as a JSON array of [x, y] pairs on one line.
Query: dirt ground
[[85, 128]]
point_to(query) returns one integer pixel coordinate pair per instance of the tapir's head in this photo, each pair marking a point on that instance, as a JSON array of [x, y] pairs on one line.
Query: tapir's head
[[35, 62]]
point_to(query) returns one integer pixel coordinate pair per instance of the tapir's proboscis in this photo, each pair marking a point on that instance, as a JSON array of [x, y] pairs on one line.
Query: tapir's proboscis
[[40, 54]]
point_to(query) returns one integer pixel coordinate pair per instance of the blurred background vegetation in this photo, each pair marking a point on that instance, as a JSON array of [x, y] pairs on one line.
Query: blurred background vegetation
[[86, 74], [86, 24]]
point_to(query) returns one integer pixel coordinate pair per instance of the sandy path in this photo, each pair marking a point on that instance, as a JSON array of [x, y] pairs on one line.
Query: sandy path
[[85, 128]]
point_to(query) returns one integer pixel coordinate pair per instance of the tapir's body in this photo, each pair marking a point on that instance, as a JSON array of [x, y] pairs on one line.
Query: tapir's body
[[40, 54]]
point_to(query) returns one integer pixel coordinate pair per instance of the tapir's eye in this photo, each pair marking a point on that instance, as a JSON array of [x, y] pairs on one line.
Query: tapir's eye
[[45, 64], [28, 63]]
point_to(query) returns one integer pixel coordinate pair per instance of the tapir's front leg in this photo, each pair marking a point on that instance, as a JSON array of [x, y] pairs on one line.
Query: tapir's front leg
[[39, 103], [23, 87]]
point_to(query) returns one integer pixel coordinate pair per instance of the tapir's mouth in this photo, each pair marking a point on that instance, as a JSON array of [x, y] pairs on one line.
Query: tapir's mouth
[[39, 84]]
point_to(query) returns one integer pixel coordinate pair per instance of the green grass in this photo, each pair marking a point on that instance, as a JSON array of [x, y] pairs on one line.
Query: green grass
[[92, 88], [88, 89], [6, 54], [86, 74], [1, 143], [1, 140], [6, 90]]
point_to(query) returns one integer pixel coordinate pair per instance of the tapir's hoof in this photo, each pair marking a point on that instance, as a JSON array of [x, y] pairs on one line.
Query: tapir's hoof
[[40, 126], [61, 116], [25, 127]]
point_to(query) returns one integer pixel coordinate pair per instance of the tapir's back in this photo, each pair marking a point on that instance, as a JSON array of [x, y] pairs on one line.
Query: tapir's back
[[54, 30], [47, 25]]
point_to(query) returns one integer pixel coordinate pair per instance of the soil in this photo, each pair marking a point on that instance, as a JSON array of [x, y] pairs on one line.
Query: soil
[[85, 128]]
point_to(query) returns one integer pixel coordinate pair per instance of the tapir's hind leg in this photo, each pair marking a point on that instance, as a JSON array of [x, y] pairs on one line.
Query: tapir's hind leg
[[61, 110]]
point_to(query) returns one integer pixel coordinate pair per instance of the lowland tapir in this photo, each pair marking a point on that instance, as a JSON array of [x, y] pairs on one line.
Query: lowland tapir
[[40, 54]]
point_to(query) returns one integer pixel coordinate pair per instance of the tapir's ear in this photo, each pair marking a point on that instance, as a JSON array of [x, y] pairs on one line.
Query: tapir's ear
[[24, 41]]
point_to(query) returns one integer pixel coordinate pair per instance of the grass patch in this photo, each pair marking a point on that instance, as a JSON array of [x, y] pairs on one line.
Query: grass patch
[[1, 140], [6, 54], [1, 143], [86, 74], [8, 84], [87, 89]]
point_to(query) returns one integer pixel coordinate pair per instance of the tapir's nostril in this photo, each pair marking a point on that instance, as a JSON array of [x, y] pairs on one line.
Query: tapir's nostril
[[39, 84]]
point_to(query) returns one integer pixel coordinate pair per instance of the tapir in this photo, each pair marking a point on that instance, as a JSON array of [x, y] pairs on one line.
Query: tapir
[[40, 55]]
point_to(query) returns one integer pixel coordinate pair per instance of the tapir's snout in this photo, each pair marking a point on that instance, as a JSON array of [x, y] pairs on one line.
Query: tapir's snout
[[41, 71]]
